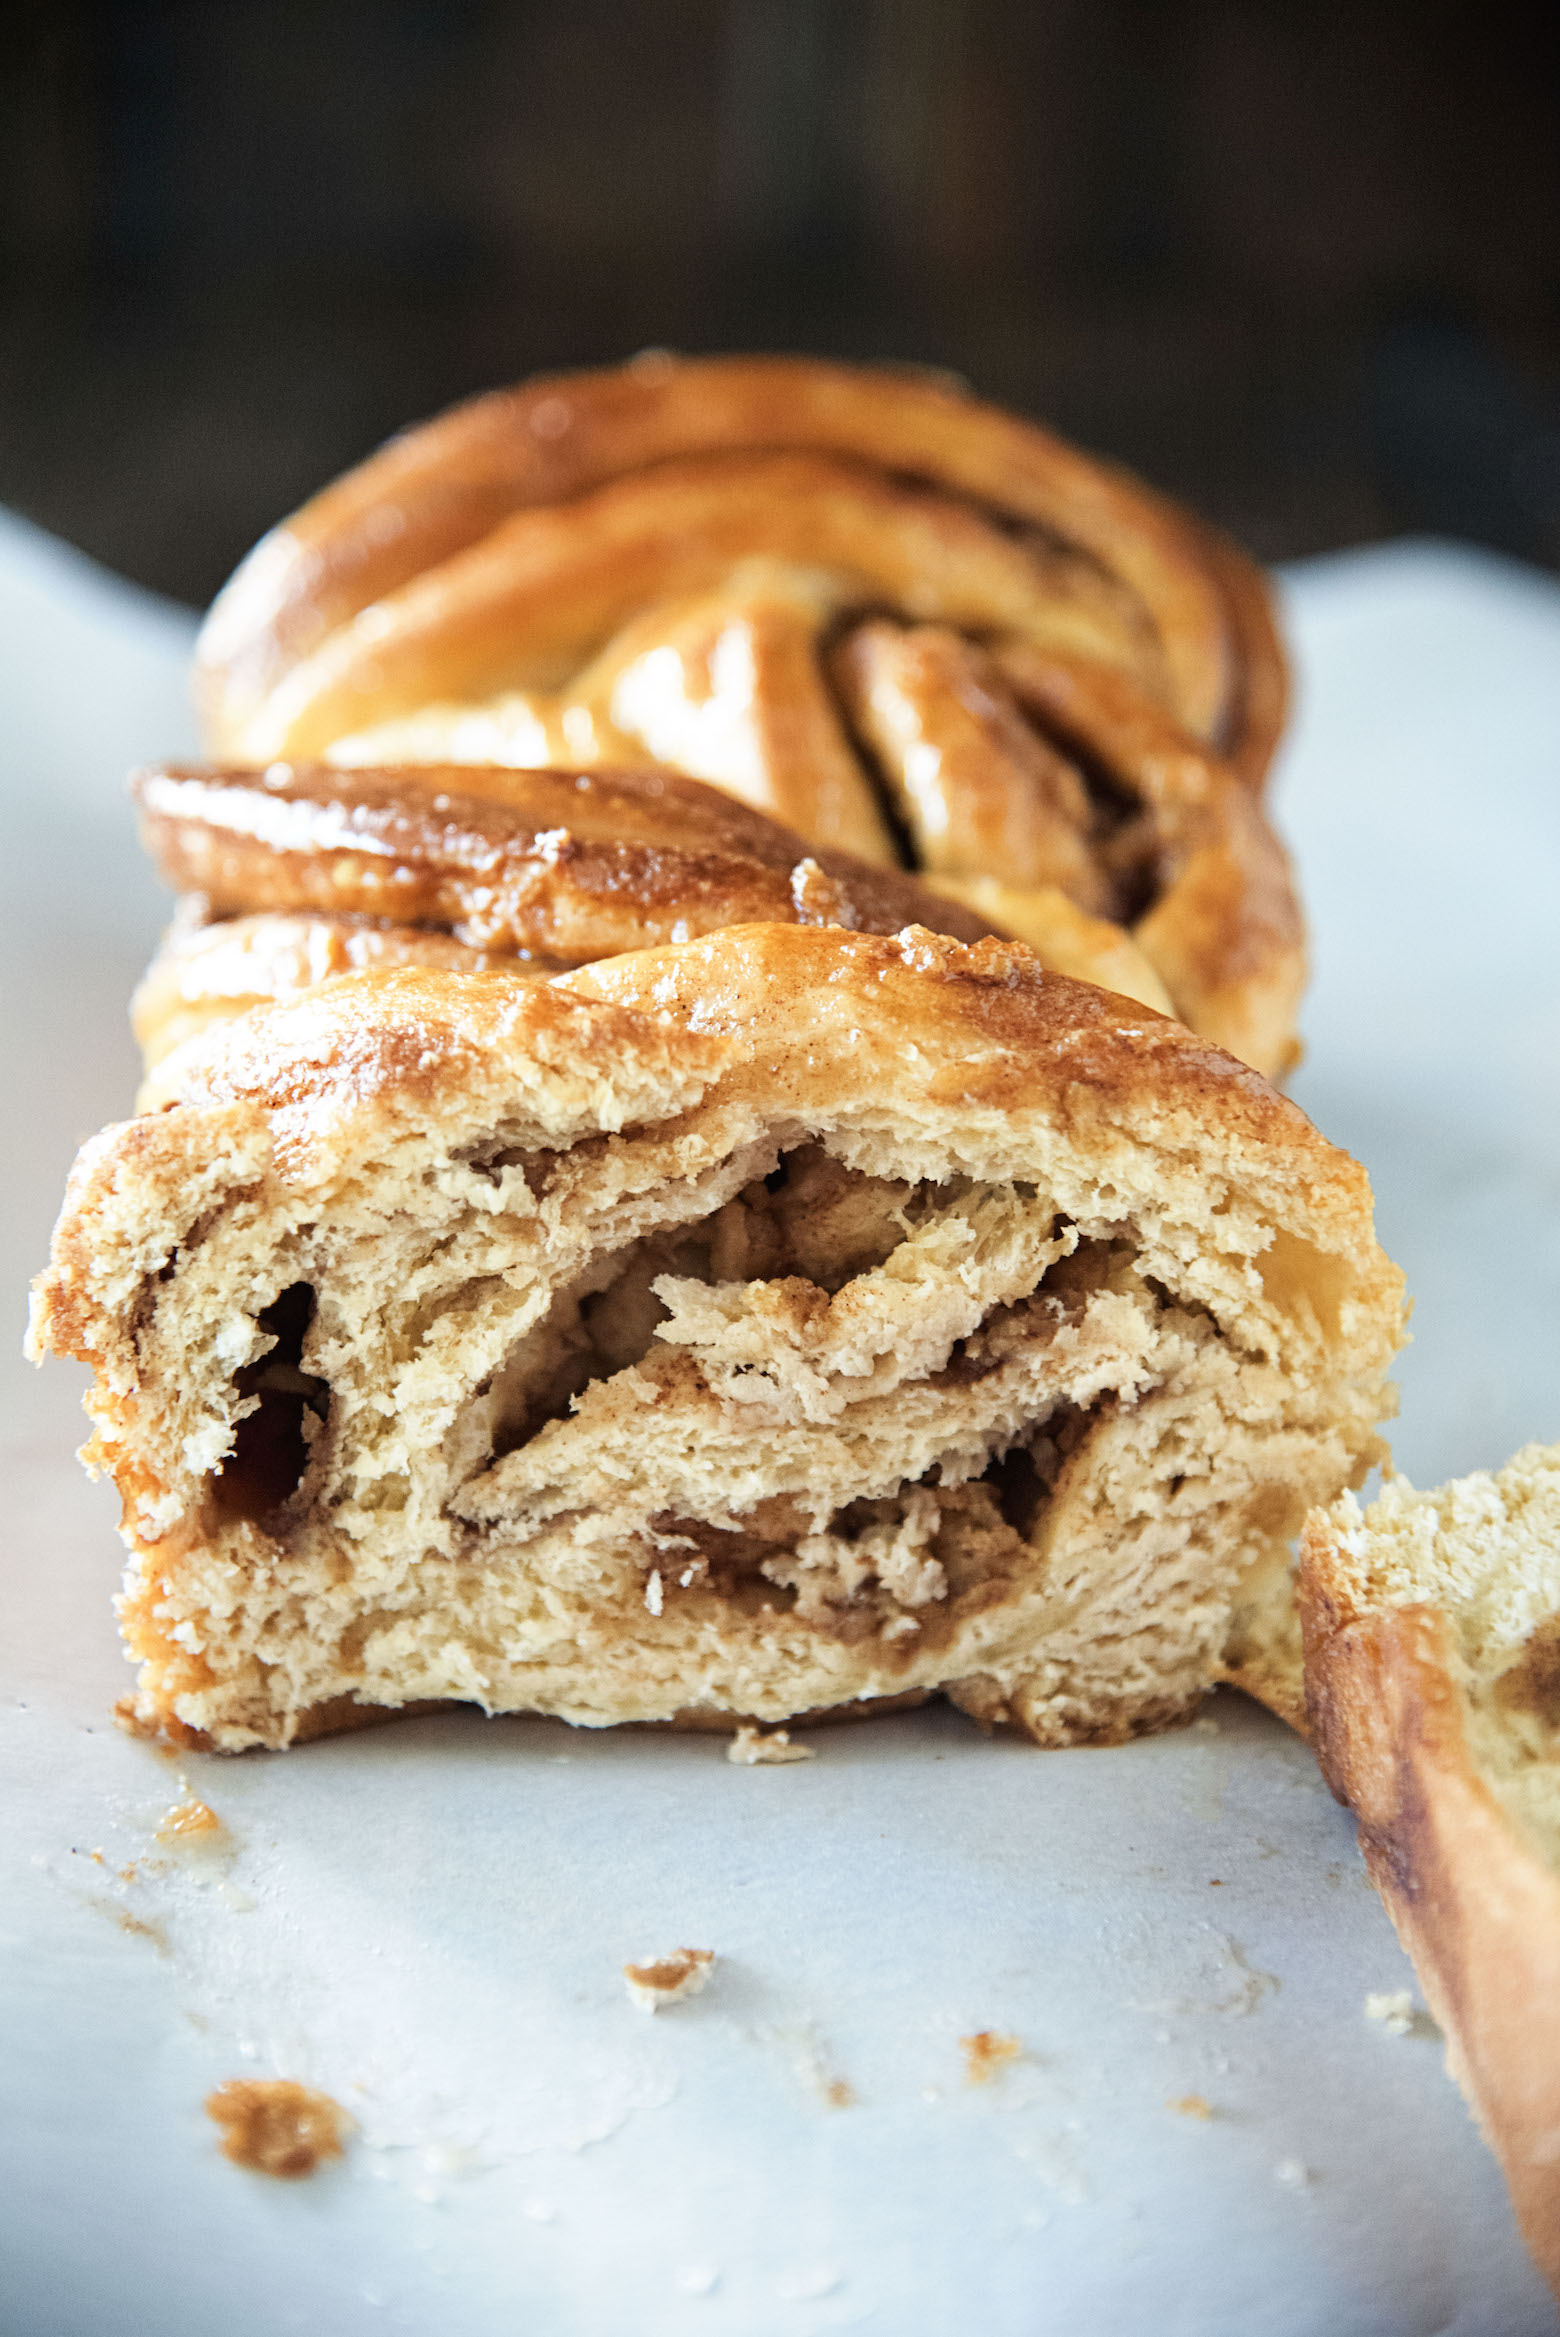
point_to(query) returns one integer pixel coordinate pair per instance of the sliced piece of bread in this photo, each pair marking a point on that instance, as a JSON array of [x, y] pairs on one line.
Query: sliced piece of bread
[[1432, 1656]]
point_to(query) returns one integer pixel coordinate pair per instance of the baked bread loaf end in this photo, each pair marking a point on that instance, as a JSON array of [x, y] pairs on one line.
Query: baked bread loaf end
[[776, 1320], [1432, 1654]]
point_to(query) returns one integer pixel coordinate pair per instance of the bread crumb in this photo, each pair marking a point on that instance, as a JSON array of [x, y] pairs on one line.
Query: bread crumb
[[669, 1979], [138, 1928], [987, 2054], [1190, 2106], [277, 2126], [1292, 2171], [750, 1748], [189, 1821], [812, 2062], [1394, 2008], [653, 1599], [128, 1716]]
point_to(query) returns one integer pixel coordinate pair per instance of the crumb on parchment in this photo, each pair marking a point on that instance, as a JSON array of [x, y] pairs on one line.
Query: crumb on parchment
[[668, 1979], [987, 2054], [750, 1748], [189, 1821], [813, 2064], [277, 2126], [1394, 2008], [1191, 2106]]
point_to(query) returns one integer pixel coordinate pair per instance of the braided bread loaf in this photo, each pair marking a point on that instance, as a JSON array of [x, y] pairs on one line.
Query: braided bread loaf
[[804, 1309], [296, 874], [908, 626]]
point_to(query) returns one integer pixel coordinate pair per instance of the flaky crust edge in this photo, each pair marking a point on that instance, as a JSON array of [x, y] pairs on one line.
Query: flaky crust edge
[[1477, 1912]]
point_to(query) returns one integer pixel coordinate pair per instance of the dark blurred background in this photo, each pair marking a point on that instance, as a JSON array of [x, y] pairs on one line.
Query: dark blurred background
[[1296, 260]]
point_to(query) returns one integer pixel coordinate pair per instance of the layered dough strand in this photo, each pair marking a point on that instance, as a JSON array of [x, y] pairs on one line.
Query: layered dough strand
[[904, 625]]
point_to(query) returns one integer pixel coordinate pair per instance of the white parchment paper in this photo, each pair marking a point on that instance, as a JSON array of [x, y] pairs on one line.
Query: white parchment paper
[[1200, 2132]]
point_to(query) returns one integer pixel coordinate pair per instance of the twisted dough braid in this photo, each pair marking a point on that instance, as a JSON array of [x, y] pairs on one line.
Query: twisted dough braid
[[1181, 602], [300, 873], [907, 625]]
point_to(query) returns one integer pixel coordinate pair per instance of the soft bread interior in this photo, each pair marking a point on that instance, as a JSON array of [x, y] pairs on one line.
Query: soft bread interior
[[1484, 1553], [659, 1425], [780, 1320]]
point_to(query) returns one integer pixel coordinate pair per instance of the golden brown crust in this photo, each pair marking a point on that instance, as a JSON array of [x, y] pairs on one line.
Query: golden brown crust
[[976, 787], [904, 623], [1024, 1040], [1477, 1911], [564, 866], [434, 494], [1183, 858], [297, 875], [1062, 936], [531, 605], [207, 972], [1046, 1041]]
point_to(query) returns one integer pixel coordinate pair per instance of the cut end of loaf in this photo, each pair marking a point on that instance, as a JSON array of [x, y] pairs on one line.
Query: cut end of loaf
[[724, 1371], [807, 1445], [1432, 1656], [1478, 1560]]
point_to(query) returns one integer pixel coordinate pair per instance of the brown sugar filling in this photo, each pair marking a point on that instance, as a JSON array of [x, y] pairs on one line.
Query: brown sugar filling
[[811, 1223], [743, 1418], [286, 1408], [1120, 836], [926, 1557], [836, 1418], [917, 1560]]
